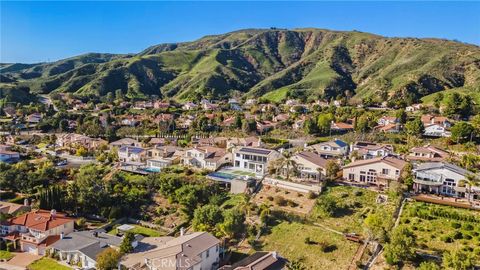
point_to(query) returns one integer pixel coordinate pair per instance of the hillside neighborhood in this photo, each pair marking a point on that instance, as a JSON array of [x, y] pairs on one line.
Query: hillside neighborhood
[[210, 184]]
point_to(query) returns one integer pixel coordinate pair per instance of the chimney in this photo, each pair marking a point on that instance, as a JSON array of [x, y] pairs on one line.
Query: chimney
[[26, 202], [182, 231], [62, 235], [274, 254], [53, 213], [95, 233]]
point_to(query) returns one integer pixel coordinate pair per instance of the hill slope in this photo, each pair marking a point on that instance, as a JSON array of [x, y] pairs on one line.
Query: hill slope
[[304, 62]]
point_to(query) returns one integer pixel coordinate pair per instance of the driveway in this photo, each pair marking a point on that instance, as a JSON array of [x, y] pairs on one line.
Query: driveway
[[20, 261]]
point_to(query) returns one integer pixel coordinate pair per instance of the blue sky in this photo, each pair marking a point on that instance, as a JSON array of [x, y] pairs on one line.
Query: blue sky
[[47, 31]]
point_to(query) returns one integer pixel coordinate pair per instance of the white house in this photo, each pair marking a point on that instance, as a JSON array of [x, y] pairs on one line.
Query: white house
[[129, 154], [442, 178], [376, 171], [252, 159], [436, 130]]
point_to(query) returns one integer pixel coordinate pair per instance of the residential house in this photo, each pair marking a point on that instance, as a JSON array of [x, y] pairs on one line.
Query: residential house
[[161, 105], [37, 230], [162, 156], [82, 248], [9, 208], [212, 141], [250, 102], [429, 119], [252, 141], [264, 126], [125, 142], [206, 157], [195, 251], [7, 155], [234, 105], [414, 108], [427, 153], [436, 130], [34, 118], [387, 120], [340, 127], [260, 260], [254, 160], [330, 149], [443, 178], [375, 171], [130, 154], [189, 106], [281, 117], [367, 150], [129, 120], [298, 124], [310, 166]]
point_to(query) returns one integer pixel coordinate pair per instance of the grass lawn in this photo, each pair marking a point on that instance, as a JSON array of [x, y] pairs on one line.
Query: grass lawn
[[5, 255], [288, 239], [353, 206], [437, 233], [47, 264], [276, 95], [140, 230]]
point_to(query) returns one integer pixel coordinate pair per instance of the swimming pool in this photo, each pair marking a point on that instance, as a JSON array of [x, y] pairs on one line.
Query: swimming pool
[[152, 170]]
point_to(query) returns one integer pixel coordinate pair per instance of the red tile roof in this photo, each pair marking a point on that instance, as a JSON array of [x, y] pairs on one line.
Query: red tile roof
[[41, 220]]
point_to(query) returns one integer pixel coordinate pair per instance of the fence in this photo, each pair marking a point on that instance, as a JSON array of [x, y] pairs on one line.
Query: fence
[[292, 186]]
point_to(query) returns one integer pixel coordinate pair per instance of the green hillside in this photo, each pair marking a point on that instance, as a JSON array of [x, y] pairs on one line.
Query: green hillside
[[273, 64]]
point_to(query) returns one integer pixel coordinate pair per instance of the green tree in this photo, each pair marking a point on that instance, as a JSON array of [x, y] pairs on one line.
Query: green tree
[[437, 100], [324, 122], [310, 126], [126, 245], [233, 222], [206, 218], [108, 259], [332, 169], [401, 246], [415, 127], [249, 126], [462, 131], [401, 116], [457, 260], [327, 205]]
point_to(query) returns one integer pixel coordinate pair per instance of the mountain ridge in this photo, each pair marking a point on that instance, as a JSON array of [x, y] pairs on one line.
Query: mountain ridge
[[270, 63]]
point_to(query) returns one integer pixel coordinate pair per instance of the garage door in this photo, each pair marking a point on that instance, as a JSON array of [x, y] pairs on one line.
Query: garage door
[[30, 249]]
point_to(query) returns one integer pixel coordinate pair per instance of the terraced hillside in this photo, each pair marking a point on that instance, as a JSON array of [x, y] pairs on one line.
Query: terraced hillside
[[272, 63]]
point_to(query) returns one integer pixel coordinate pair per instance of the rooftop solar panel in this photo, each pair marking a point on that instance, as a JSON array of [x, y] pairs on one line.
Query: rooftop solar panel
[[255, 151]]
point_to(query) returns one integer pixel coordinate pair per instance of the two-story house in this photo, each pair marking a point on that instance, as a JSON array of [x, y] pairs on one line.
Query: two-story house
[[330, 149], [125, 142], [442, 178], [129, 154], [195, 251], [206, 157], [375, 171], [163, 156], [310, 166], [254, 160], [37, 230]]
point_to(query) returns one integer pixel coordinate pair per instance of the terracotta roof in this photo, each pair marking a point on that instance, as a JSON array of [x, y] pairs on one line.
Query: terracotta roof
[[341, 125], [41, 220], [392, 161]]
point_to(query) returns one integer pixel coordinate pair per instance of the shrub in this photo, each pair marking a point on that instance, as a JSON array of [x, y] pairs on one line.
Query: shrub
[[292, 203], [358, 193], [280, 201], [456, 225], [468, 227], [311, 195], [270, 198], [457, 235], [343, 195], [307, 240], [446, 239]]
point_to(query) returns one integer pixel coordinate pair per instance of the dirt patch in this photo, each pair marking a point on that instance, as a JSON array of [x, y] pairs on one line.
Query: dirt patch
[[296, 202]]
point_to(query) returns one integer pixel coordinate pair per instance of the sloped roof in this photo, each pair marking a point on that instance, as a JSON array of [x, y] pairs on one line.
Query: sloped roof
[[41, 220], [392, 161], [442, 165], [313, 158]]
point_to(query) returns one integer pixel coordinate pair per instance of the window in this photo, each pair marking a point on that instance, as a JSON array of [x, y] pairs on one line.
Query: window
[[208, 253], [397, 172], [385, 171], [351, 176], [238, 155]]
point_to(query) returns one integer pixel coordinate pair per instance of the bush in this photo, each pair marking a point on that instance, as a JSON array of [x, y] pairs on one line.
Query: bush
[[280, 201], [457, 235], [311, 195], [270, 198], [358, 193], [468, 227], [456, 225], [343, 195], [307, 240], [292, 203]]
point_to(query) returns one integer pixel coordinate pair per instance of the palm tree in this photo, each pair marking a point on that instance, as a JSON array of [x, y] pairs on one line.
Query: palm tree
[[287, 164], [470, 181]]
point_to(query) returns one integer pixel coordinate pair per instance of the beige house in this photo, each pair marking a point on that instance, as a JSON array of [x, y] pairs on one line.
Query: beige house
[[196, 251], [310, 166], [376, 171], [206, 157], [333, 148], [427, 153]]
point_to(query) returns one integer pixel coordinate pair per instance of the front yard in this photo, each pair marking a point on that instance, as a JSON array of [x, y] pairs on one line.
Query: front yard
[[351, 207], [5, 255], [47, 264], [313, 246]]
